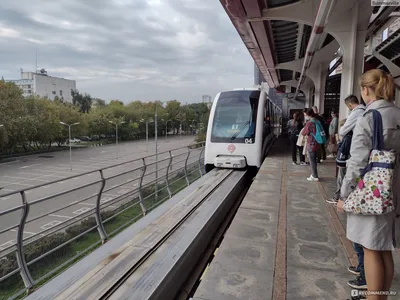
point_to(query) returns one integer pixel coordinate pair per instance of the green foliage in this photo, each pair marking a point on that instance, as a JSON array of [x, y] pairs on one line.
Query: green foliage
[[46, 244], [33, 123], [201, 137], [83, 101]]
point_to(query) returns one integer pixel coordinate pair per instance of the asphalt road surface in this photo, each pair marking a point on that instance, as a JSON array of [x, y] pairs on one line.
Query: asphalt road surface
[[30, 171]]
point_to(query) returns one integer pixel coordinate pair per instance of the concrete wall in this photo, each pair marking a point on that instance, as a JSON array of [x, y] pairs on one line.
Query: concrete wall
[[47, 86]]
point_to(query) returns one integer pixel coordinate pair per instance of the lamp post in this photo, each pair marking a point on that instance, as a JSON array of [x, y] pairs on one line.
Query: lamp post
[[116, 133], [69, 141], [192, 126], [147, 131], [180, 127], [166, 128], [156, 141]]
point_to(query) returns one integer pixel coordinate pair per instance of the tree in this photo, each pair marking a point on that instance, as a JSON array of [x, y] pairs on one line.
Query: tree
[[11, 112], [99, 102], [84, 102], [116, 102], [33, 123], [173, 109]]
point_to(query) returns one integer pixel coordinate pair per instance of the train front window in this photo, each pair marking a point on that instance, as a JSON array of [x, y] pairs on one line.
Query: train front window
[[235, 117]]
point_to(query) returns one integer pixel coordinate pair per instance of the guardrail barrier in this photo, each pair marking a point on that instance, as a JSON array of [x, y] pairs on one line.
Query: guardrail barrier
[[46, 228]]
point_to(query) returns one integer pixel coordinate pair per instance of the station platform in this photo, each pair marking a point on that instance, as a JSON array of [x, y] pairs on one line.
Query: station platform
[[286, 241]]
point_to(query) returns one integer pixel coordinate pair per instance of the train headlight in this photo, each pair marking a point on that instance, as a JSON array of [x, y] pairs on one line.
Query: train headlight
[[236, 165], [219, 165]]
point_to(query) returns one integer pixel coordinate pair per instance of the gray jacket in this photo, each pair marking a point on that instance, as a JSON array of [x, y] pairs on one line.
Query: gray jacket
[[361, 146], [351, 120]]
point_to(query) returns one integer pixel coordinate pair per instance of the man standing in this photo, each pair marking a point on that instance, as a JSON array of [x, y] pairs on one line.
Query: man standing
[[346, 133]]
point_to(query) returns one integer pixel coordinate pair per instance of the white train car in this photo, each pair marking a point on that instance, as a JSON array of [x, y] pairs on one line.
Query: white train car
[[240, 126]]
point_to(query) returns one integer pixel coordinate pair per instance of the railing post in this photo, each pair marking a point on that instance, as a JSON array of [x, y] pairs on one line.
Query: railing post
[[141, 198], [166, 175], [100, 225], [186, 173], [23, 267], [200, 167]]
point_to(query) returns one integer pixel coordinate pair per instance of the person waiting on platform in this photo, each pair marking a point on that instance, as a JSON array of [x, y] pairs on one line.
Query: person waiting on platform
[[321, 154], [295, 125], [313, 147], [333, 130], [376, 233]]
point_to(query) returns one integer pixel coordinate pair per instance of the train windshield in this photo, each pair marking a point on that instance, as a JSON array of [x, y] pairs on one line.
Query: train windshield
[[235, 117]]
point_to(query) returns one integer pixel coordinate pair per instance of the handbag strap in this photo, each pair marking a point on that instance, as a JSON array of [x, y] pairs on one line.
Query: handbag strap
[[377, 137]]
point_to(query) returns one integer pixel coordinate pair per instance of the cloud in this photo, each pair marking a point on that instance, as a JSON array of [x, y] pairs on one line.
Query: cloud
[[128, 50]]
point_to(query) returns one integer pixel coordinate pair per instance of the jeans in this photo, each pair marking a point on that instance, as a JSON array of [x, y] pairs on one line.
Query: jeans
[[360, 254], [321, 153], [313, 162], [339, 181], [294, 147]]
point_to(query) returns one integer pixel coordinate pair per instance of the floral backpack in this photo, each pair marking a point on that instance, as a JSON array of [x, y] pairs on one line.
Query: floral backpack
[[373, 193]]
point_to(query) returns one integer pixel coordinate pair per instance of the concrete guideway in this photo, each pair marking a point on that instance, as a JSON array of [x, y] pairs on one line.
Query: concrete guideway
[[285, 241], [147, 260]]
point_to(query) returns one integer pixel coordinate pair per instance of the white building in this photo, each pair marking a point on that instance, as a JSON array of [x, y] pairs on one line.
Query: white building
[[45, 86]]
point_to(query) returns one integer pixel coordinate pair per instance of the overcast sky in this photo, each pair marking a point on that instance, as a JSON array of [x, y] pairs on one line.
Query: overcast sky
[[127, 49]]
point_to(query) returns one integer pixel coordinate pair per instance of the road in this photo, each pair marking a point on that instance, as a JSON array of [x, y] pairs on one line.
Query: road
[[30, 171]]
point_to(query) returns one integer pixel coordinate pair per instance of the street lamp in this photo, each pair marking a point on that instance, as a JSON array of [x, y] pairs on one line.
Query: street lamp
[[180, 127], [166, 128], [156, 142], [147, 131], [116, 133], [192, 126], [69, 141]]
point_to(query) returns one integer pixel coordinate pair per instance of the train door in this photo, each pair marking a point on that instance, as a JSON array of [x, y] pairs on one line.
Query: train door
[[267, 127], [267, 118]]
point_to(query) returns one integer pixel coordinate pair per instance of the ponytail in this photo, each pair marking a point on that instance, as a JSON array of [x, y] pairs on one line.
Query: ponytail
[[381, 83], [385, 88]]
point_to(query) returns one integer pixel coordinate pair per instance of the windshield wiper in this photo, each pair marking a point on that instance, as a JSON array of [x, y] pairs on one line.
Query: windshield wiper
[[240, 130]]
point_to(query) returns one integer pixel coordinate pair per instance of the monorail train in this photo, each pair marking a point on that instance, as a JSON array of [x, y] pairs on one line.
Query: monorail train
[[240, 127]]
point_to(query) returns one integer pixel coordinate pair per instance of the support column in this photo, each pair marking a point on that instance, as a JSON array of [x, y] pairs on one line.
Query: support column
[[318, 75], [352, 46], [319, 98], [288, 90], [308, 92]]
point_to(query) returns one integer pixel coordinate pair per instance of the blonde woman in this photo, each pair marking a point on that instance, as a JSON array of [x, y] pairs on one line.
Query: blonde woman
[[375, 233]]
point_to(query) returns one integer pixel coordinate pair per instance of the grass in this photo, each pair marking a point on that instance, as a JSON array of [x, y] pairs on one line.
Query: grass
[[92, 238]]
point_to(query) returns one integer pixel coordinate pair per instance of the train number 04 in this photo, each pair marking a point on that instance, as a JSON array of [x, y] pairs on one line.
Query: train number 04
[[248, 141]]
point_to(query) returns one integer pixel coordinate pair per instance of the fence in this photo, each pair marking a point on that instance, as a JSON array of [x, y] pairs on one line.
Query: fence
[[46, 228]]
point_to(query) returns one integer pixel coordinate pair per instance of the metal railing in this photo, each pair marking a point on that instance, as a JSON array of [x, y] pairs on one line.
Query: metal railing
[[54, 224]]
